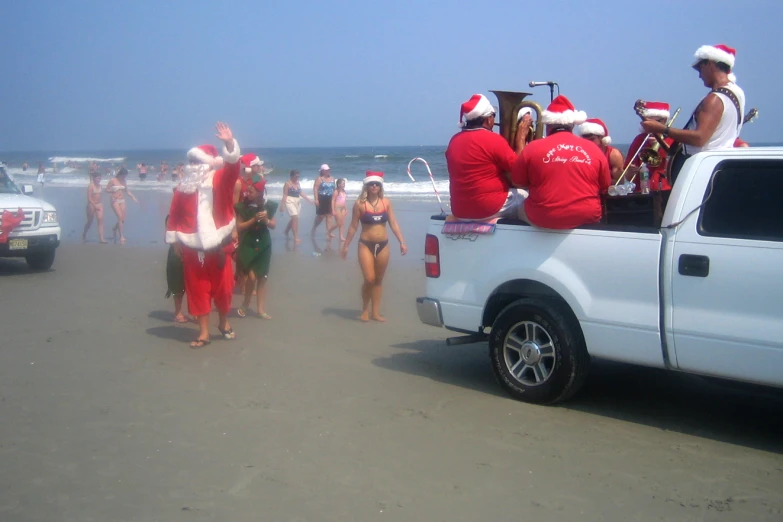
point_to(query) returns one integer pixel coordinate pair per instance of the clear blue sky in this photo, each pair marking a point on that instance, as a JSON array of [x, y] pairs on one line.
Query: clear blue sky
[[95, 75]]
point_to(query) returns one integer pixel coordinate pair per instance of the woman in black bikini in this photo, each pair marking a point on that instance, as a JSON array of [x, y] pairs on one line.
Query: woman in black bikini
[[373, 211]]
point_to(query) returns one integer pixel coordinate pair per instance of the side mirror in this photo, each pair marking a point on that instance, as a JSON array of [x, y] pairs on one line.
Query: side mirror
[[27, 190]]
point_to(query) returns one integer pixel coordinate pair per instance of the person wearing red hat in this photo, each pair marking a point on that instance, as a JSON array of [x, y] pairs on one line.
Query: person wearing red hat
[[255, 218], [717, 120], [479, 161], [564, 174], [373, 211], [596, 131], [200, 225], [252, 166], [654, 111]]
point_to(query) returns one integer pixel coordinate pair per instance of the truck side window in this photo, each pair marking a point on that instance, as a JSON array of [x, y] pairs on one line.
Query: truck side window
[[746, 201]]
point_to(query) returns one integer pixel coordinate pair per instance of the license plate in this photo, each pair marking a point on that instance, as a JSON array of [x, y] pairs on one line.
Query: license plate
[[17, 244]]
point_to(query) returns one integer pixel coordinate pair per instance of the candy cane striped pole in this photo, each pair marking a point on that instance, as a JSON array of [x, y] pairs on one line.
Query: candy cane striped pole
[[432, 179]]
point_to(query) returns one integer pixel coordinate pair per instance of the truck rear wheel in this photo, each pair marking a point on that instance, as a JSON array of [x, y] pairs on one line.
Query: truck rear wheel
[[538, 353], [41, 261]]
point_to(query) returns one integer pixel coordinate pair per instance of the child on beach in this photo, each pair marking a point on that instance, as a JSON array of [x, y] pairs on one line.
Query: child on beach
[[338, 207], [255, 218], [94, 206], [175, 279]]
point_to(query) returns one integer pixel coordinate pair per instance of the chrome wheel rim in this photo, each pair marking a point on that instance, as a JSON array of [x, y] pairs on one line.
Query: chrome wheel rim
[[529, 353]]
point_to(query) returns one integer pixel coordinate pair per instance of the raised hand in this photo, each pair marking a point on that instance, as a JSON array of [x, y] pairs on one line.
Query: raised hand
[[225, 135]]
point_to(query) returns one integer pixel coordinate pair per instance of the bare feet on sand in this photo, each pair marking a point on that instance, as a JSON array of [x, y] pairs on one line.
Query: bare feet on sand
[[364, 317], [180, 319], [379, 318]]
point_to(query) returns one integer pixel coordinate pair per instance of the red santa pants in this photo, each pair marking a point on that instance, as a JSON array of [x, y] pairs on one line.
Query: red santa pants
[[207, 278]]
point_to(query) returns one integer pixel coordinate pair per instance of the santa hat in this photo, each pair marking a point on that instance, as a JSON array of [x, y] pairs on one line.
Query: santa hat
[[595, 127], [717, 53], [371, 176], [250, 160], [562, 112], [523, 111], [477, 106], [207, 154], [652, 109]]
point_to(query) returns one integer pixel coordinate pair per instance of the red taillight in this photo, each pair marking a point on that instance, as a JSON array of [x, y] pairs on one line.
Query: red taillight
[[431, 256]]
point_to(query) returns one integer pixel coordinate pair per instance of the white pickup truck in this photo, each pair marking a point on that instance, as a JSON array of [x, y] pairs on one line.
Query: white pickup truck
[[38, 235], [694, 284]]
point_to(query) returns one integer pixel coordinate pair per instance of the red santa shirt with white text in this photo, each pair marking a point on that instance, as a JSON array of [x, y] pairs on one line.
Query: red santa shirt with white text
[[565, 175], [478, 160]]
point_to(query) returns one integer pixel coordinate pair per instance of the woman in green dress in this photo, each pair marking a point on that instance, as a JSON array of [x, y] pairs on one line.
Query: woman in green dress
[[255, 217]]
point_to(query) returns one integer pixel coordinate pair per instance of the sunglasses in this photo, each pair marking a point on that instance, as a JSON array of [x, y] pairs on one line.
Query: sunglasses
[[701, 63], [373, 184]]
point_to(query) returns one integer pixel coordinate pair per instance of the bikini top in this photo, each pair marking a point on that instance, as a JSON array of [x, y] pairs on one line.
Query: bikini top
[[294, 191], [374, 218]]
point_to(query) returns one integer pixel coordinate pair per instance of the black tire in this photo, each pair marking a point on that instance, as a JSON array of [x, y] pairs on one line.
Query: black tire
[[553, 375], [41, 261]]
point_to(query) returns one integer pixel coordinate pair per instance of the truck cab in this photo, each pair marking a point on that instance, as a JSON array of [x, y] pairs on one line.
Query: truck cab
[[37, 236]]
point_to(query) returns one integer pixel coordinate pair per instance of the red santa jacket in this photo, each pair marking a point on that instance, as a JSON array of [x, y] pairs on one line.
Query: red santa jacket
[[202, 210]]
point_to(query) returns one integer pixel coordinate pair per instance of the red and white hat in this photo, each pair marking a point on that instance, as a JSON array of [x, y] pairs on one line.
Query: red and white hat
[[595, 127], [477, 106], [206, 154], [523, 112], [653, 109], [716, 53], [250, 160], [562, 112], [371, 176]]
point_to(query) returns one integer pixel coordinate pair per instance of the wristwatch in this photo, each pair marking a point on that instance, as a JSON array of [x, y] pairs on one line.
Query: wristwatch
[[666, 132]]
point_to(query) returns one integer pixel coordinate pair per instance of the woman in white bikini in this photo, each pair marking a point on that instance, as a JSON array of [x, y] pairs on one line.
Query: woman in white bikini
[[94, 206], [118, 188]]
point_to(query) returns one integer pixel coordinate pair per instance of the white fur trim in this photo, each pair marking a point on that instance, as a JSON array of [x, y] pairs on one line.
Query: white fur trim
[[523, 111], [232, 157], [591, 129], [563, 118], [256, 161], [708, 52], [606, 140], [370, 179], [655, 113], [732, 78], [196, 154]]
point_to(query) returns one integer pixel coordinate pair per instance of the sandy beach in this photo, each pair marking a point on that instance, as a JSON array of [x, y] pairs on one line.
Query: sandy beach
[[108, 415]]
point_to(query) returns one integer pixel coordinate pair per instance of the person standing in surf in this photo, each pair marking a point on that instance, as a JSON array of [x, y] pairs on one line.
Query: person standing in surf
[[323, 188], [373, 211], [118, 188], [292, 203], [41, 174], [94, 206]]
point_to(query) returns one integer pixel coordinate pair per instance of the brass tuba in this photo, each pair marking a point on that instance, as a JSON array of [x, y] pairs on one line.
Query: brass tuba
[[509, 104]]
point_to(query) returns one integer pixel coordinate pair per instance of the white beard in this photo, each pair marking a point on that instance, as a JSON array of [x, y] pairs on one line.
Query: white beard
[[195, 177]]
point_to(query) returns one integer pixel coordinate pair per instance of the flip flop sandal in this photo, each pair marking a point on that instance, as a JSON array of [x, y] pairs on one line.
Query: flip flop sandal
[[241, 311], [264, 315], [228, 335], [200, 343]]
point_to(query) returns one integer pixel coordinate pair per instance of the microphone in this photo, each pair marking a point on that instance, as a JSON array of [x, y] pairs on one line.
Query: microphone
[[539, 84]]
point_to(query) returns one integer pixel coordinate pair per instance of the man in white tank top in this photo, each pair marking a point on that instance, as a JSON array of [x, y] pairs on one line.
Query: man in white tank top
[[717, 120]]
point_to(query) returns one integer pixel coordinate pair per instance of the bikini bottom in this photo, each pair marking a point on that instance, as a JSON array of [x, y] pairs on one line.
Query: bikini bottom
[[375, 246]]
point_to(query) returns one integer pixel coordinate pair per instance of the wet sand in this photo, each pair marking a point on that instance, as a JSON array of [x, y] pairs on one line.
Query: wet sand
[[109, 415]]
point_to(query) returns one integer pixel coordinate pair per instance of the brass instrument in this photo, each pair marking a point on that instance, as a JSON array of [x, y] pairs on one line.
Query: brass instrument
[[651, 155], [509, 104]]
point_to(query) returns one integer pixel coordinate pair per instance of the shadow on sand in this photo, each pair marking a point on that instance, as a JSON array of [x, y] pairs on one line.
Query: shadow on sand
[[181, 332], [736, 414], [346, 313], [16, 266]]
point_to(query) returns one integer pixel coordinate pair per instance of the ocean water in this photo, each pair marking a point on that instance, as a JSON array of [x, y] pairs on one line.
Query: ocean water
[[350, 163]]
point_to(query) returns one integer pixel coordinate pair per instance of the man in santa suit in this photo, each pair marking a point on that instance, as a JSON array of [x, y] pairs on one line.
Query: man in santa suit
[[201, 221], [650, 111], [596, 131], [564, 174]]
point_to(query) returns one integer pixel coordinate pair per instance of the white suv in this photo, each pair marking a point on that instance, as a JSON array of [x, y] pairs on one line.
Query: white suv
[[38, 235]]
